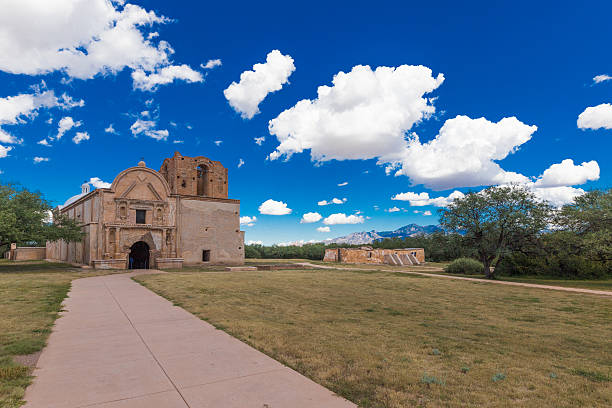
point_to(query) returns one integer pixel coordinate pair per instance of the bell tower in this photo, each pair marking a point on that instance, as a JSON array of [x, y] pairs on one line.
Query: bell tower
[[195, 176]]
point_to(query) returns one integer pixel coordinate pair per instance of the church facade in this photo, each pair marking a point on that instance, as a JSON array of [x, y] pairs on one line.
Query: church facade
[[179, 215]]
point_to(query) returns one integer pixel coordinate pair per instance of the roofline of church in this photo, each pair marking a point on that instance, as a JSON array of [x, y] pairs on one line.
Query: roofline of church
[[190, 197], [91, 193]]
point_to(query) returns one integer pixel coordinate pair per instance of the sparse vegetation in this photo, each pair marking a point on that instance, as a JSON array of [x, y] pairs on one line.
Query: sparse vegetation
[[335, 326]]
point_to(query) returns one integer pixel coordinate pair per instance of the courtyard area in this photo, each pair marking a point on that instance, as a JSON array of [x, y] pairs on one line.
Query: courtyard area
[[375, 337], [383, 339]]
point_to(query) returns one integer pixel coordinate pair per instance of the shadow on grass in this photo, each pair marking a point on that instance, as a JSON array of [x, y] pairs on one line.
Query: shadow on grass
[[34, 267]]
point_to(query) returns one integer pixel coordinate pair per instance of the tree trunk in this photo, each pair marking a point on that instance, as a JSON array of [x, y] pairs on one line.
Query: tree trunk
[[487, 268]]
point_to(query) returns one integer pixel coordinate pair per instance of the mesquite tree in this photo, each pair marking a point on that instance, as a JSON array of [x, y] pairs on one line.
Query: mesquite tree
[[25, 218], [496, 218]]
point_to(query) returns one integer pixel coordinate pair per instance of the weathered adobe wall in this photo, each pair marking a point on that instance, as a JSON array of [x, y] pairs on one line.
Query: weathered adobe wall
[[85, 210], [373, 256], [210, 225], [196, 176], [28, 253]]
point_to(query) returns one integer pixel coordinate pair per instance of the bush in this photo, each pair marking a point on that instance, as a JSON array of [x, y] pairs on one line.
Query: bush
[[466, 266], [552, 266]]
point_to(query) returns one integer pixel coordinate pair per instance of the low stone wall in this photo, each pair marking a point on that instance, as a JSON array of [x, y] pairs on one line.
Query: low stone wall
[[169, 263], [28, 254], [109, 264]]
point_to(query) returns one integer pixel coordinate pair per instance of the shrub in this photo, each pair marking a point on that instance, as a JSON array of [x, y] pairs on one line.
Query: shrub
[[428, 379], [565, 266], [466, 266], [498, 377]]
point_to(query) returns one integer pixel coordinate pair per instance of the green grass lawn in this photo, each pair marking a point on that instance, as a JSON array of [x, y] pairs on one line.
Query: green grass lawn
[[31, 294], [383, 339]]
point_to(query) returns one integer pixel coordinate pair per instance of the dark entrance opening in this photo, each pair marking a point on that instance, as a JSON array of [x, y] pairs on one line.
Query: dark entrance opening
[[139, 256]]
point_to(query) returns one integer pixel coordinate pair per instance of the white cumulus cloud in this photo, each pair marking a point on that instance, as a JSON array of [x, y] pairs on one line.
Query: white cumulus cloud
[[601, 78], [166, 75], [343, 184], [65, 124], [272, 207], [110, 129], [557, 196], [596, 117], [568, 174], [464, 153], [6, 137], [82, 38], [210, 64], [38, 159], [248, 221], [363, 115], [427, 212], [423, 199], [255, 85], [310, 217], [393, 209], [367, 113], [240, 163], [98, 183], [21, 108], [332, 201], [341, 218], [80, 136], [323, 229], [4, 151], [147, 128], [259, 140]]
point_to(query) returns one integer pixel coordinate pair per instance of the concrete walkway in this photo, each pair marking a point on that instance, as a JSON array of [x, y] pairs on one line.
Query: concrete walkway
[[500, 282], [119, 345]]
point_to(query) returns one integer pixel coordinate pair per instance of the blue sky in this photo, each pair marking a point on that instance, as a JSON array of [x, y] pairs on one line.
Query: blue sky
[[535, 61]]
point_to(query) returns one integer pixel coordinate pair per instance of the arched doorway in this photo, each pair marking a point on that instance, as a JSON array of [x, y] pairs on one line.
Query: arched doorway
[[139, 256]]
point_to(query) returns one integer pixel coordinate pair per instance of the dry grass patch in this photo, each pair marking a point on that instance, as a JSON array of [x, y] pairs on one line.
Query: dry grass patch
[[437, 268], [395, 340], [31, 294]]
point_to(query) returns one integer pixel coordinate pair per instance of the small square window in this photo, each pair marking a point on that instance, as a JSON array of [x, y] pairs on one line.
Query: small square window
[[141, 216], [206, 255]]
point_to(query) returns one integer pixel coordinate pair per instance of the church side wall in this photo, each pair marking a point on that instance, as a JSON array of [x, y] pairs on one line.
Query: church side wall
[[78, 252], [212, 226]]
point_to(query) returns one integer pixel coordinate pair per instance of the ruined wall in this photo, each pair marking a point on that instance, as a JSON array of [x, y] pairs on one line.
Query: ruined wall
[[28, 253], [210, 225], [369, 256], [195, 176]]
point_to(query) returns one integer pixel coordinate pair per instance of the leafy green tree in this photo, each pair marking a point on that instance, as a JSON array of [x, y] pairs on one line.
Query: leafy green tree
[[494, 219], [588, 223], [25, 218]]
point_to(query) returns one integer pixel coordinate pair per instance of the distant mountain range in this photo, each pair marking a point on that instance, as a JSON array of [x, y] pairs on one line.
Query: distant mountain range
[[367, 237]]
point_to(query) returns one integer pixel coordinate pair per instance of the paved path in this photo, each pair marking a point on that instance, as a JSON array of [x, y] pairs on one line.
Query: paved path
[[435, 275], [119, 345]]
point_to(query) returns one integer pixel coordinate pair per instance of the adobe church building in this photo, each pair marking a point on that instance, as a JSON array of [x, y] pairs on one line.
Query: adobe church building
[[156, 219]]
